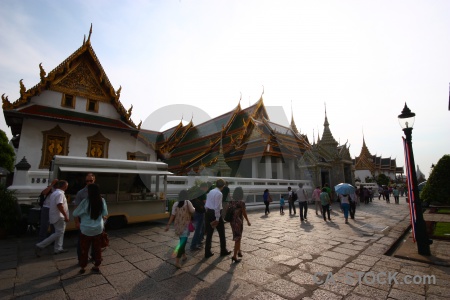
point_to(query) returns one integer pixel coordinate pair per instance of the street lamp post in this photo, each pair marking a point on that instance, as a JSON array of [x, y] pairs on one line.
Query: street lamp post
[[406, 120]]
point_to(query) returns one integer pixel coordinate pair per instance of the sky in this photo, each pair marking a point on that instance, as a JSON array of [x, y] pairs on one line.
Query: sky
[[361, 59]]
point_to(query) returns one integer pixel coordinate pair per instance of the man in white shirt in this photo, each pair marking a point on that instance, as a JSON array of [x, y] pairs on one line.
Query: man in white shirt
[[302, 196], [58, 217], [213, 219]]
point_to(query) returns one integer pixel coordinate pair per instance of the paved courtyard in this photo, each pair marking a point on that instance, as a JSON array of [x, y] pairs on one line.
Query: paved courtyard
[[281, 257]]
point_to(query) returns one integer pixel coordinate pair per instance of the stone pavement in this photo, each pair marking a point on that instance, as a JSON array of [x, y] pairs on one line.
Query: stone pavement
[[280, 259]]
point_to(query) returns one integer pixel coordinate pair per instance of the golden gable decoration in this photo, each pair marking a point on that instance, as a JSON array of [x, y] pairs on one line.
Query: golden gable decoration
[[55, 142]]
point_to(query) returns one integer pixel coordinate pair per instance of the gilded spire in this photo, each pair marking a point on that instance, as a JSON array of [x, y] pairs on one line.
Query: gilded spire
[[327, 136], [293, 126]]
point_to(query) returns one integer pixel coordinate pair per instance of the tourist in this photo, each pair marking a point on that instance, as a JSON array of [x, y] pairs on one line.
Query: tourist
[[81, 195], [316, 198], [380, 192], [199, 217], [237, 221], [181, 215], [91, 212], [345, 205], [352, 206], [58, 217], [325, 201], [396, 194], [267, 199], [213, 219], [281, 205], [291, 200], [45, 209], [302, 196]]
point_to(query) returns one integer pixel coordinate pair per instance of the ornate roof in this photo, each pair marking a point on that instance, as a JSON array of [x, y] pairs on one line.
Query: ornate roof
[[81, 74], [232, 136]]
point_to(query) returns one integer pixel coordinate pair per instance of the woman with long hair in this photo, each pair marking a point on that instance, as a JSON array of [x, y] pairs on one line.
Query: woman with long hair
[[181, 216], [237, 221], [267, 199], [91, 211]]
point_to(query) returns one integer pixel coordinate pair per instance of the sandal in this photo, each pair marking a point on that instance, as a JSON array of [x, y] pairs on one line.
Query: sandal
[[240, 254]]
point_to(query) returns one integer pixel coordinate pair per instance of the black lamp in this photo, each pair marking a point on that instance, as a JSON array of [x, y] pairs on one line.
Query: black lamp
[[406, 120]]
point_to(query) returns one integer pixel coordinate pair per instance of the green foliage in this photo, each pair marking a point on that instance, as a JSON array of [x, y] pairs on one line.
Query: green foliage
[[437, 188], [6, 153], [442, 229], [9, 211], [382, 179]]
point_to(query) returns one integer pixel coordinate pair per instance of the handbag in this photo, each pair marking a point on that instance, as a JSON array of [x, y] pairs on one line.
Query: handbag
[[191, 227], [229, 214], [104, 239]]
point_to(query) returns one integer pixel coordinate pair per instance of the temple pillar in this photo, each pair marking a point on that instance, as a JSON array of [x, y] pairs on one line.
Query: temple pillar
[[254, 167], [268, 165], [280, 168]]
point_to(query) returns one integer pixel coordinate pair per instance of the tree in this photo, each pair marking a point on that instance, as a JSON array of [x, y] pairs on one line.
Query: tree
[[437, 188], [382, 179], [6, 153]]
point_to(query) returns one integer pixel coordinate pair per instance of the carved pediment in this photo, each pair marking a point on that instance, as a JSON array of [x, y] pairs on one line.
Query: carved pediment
[[82, 81]]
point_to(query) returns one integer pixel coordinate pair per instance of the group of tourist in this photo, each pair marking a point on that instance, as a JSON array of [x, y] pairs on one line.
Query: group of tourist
[[322, 198], [208, 207], [89, 219]]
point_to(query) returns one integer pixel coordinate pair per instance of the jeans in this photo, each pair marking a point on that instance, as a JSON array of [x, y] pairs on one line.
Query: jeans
[[345, 208], [198, 233], [57, 237], [303, 209]]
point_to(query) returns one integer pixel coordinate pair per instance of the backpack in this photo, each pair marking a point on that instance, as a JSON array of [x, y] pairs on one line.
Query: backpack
[[294, 196]]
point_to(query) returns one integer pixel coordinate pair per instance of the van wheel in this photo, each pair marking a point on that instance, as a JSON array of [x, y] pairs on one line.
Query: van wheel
[[116, 222]]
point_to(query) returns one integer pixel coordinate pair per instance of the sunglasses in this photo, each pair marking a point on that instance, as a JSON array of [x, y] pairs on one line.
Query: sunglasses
[[89, 181]]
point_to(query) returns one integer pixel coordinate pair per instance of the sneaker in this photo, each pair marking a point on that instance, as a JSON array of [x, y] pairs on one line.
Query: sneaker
[[60, 251], [225, 253], [208, 255]]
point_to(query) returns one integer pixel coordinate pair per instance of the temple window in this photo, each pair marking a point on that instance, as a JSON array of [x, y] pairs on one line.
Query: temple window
[[55, 142], [98, 146], [138, 156], [92, 105], [68, 101]]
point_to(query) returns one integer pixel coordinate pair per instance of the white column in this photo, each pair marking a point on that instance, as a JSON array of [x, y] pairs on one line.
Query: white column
[[268, 164], [292, 168], [254, 167], [279, 168]]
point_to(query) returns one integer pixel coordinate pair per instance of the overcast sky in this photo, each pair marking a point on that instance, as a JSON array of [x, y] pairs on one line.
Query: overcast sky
[[364, 59]]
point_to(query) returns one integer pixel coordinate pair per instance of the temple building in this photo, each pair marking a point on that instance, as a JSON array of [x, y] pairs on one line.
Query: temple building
[[369, 166], [75, 111], [327, 161]]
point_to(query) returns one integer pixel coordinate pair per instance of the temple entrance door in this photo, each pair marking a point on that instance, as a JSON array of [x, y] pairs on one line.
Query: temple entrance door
[[325, 177]]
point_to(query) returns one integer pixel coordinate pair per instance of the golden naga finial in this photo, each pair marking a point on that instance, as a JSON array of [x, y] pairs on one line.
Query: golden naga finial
[[22, 87], [42, 72], [129, 111], [118, 92], [139, 125], [6, 103]]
